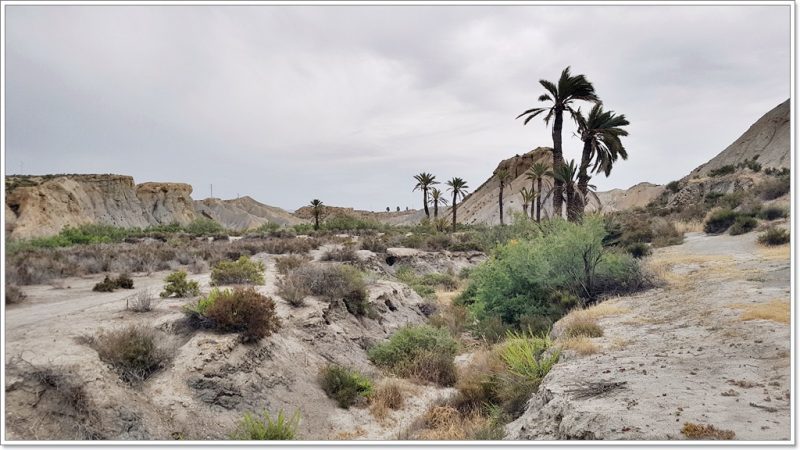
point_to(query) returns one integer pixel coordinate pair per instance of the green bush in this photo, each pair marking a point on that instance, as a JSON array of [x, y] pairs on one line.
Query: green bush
[[242, 271], [772, 213], [344, 385], [638, 249], [178, 286], [242, 310], [204, 227], [743, 224], [719, 221], [133, 352], [528, 278], [348, 223], [774, 236], [674, 186], [724, 170], [265, 428], [421, 351]]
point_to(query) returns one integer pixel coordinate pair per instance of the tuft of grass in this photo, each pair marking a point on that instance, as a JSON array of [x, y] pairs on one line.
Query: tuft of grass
[[581, 345], [388, 395], [141, 301], [265, 428], [526, 356], [582, 322], [443, 422], [242, 271], [134, 352], [700, 431], [178, 286], [777, 310], [774, 236], [344, 385]]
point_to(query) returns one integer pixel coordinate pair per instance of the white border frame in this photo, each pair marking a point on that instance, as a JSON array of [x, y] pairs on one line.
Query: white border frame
[[288, 444]]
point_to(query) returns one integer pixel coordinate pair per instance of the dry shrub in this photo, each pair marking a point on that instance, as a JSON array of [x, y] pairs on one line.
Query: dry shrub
[[665, 233], [578, 323], [342, 254], [774, 236], [243, 310], [292, 290], [477, 382], [389, 394], [777, 310], [123, 281], [140, 301], [700, 431], [604, 309], [134, 352], [285, 264], [452, 317], [445, 423], [14, 295]]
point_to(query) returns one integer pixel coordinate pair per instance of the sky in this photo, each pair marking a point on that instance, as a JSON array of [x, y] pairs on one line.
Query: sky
[[346, 103]]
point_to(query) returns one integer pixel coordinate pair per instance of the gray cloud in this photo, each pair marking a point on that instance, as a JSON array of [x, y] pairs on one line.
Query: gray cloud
[[289, 103]]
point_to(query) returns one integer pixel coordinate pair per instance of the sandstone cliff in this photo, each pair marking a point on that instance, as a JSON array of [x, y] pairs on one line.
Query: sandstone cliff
[[41, 206], [243, 213]]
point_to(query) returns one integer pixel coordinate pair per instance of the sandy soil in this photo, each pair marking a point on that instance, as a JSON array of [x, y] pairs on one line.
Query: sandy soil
[[690, 351]]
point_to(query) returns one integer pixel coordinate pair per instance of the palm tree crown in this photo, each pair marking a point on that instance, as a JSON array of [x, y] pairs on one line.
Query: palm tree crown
[[316, 208], [459, 189], [424, 181], [537, 174], [601, 132], [437, 198]]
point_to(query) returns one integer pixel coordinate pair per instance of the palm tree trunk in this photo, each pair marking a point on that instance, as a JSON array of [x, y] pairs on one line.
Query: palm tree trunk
[[571, 213], [316, 220], [539, 201], [525, 209], [454, 212], [533, 191], [583, 179], [436, 209], [558, 161], [425, 202], [501, 203]]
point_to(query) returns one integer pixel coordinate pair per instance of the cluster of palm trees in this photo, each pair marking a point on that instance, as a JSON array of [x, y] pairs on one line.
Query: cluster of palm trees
[[600, 132], [426, 182]]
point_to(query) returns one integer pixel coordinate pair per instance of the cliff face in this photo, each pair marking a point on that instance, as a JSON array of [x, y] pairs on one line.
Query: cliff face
[[42, 206]]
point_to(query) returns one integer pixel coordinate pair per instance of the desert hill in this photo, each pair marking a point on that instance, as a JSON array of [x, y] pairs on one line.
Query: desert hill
[[243, 213]]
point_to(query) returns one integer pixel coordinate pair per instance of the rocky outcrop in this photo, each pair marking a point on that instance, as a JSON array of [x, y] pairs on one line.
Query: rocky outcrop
[[243, 213], [620, 199], [41, 206], [767, 141]]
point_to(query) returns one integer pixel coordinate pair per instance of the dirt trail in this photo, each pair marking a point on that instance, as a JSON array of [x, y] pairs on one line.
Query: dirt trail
[[691, 351]]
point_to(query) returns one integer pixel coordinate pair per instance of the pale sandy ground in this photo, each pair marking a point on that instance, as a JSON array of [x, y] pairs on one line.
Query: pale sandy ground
[[684, 353]]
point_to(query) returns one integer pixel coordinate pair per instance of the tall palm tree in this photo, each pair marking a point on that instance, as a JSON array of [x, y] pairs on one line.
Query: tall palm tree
[[537, 174], [569, 89], [503, 177], [567, 174], [437, 198], [424, 181], [600, 132], [459, 189], [527, 199], [317, 208]]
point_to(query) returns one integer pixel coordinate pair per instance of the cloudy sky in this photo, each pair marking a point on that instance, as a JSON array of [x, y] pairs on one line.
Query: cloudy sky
[[347, 103]]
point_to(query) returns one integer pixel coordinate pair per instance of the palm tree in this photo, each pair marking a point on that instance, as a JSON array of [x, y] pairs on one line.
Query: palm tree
[[424, 181], [567, 174], [437, 198], [569, 89], [502, 176], [527, 199], [317, 208], [537, 174], [600, 133], [459, 189]]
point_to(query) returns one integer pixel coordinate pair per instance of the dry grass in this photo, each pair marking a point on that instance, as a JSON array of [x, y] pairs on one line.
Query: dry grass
[[388, 395], [777, 310], [580, 322], [605, 309], [350, 435], [778, 252], [445, 423], [694, 226], [699, 431], [581, 345], [619, 343]]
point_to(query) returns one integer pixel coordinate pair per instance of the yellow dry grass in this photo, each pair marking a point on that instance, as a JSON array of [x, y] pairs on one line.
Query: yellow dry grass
[[778, 252], [619, 343], [777, 310], [445, 423], [388, 395], [581, 345], [689, 227], [446, 297], [605, 309], [683, 272], [350, 435]]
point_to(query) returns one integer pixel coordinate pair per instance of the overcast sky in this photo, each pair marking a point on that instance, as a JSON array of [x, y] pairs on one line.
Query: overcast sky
[[346, 104]]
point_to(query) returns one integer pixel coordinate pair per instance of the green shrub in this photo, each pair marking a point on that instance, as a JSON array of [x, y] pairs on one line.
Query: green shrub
[[344, 385], [178, 286], [527, 278], [774, 236], [674, 186], [242, 310], [265, 428], [772, 213], [743, 224], [123, 281], [719, 221], [133, 352], [421, 351], [638, 249], [425, 285], [204, 227], [242, 271], [724, 170], [348, 223]]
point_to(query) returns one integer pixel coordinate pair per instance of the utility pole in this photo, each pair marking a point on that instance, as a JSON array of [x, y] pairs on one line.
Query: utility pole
[[212, 190]]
